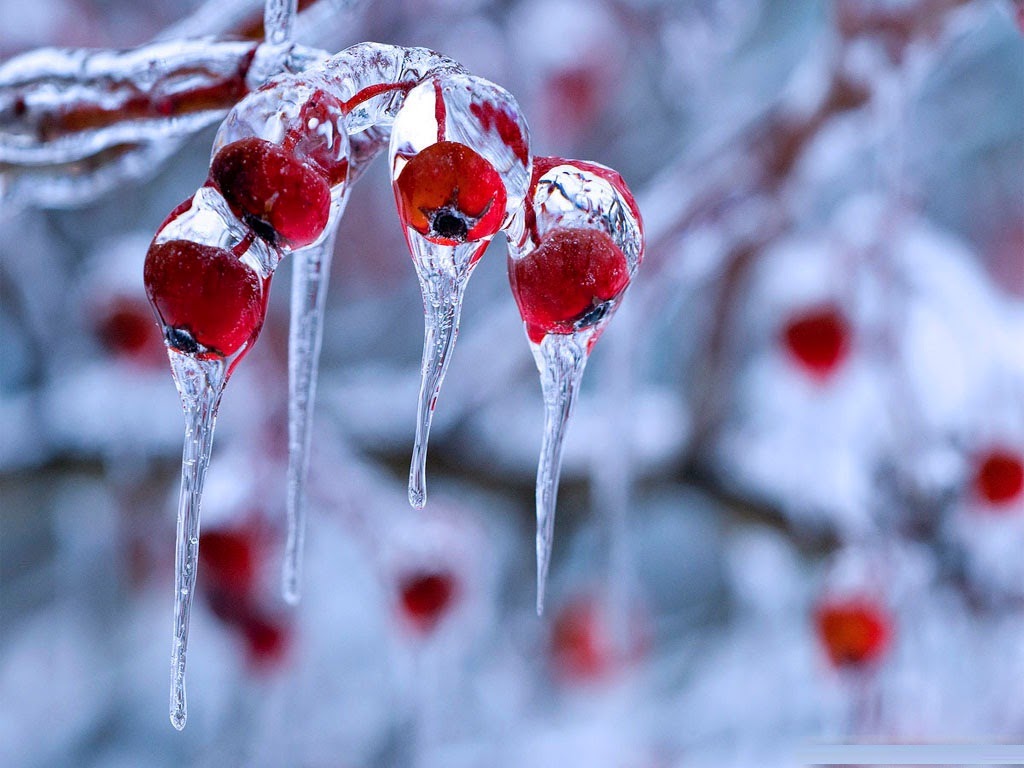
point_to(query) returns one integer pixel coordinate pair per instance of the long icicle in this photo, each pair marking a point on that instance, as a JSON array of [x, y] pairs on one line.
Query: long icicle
[[200, 384], [560, 360], [442, 291], [310, 272]]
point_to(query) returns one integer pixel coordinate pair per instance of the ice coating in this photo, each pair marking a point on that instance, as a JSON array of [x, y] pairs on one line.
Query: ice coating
[[158, 91], [460, 165], [572, 254], [208, 278], [76, 123], [371, 80]]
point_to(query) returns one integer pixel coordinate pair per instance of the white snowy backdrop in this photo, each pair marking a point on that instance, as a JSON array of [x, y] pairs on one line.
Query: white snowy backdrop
[[791, 508]]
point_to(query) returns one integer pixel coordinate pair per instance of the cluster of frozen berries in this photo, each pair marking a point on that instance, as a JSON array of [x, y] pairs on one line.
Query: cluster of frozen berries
[[461, 172]]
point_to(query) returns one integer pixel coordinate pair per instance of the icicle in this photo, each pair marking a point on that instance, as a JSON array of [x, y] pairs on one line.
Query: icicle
[[279, 20], [310, 272], [443, 286], [200, 384], [460, 162], [572, 255], [560, 360]]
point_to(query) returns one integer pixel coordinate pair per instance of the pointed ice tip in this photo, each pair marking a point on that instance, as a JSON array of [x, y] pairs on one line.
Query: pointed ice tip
[[540, 600], [417, 497], [291, 592], [178, 718]]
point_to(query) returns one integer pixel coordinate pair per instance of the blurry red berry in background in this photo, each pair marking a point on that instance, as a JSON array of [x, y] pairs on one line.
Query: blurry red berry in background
[[818, 340], [425, 597], [266, 640], [285, 201], [228, 559], [125, 328], [854, 632], [573, 272], [580, 646], [999, 477], [204, 296], [450, 194]]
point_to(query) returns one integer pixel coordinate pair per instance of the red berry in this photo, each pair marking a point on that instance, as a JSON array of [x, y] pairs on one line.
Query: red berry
[[228, 561], [818, 339], [854, 631], [266, 639], [566, 281], [580, 646], [285, 200], [125, 328], [425, 597], [450, 194], [999, 478], [207, 300]]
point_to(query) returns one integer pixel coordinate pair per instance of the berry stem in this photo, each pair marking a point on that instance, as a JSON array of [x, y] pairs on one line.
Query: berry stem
[[310, 273], [560, 359], [200, 384], [374, 90]]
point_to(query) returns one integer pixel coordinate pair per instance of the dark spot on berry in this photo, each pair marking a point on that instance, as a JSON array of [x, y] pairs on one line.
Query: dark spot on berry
[[450, 226], [595, 315], [263, 230], [181, 340]]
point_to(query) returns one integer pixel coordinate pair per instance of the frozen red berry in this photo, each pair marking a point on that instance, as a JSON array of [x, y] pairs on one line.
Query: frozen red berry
[[208, 300], [285, 200], [854, 632], [450, 194], [818, 339], [999, 477], [567, 281], [425, 598]]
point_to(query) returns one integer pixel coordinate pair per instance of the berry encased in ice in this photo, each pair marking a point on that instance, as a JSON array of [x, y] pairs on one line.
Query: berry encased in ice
[[318, 139], [450, 194], [854, 631], [818, 340], [286, 201], [425, 597], [999, 477], [567, 281], [208, 300]]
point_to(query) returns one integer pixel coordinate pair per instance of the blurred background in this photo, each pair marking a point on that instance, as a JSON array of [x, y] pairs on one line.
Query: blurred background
[[792, 508]]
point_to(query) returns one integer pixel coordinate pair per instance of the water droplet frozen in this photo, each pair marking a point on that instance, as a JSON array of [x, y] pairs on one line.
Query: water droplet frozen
[[460, 164], [572, 253]]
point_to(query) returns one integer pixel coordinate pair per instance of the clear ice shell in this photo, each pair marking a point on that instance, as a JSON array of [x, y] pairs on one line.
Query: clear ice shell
[[310, 272], [209, 220], [569, 193], [200, 384], [448, 108]]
